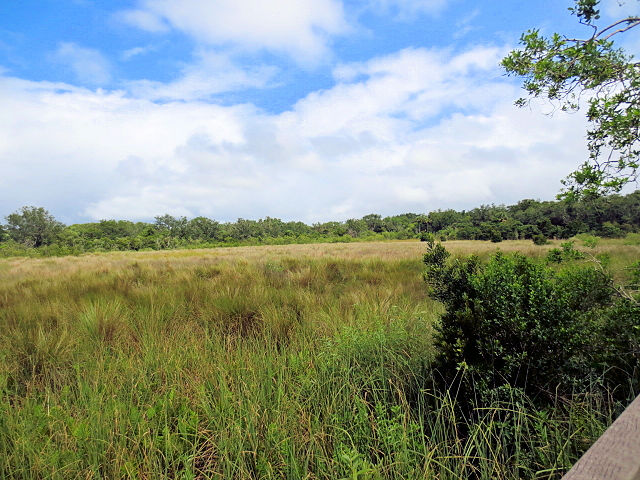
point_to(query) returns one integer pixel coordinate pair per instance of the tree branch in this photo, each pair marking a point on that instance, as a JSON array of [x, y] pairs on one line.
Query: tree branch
[[622, 30]]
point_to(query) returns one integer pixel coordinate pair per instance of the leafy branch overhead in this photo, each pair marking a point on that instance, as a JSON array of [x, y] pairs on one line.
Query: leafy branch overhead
[[591, 70]]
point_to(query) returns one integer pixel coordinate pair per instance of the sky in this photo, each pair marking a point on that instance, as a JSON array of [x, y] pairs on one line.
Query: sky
[[309, 110]]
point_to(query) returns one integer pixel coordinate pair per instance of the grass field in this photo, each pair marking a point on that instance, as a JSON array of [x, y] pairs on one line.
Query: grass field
[[296, 361]]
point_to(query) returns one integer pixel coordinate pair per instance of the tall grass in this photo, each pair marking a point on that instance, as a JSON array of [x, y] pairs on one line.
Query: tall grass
[[262, 364]]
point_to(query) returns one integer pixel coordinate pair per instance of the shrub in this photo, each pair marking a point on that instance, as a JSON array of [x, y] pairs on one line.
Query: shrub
[[554, 256], [539, 239], [567, 253], [611, 230], [516, 322], [427, 237], [590, 241], [496, 236], [634, 275]]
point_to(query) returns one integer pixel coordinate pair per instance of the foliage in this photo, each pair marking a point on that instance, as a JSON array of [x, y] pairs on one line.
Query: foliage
[[634, 274], [539, 239], [204, 228], [515, 322], [613, 217], [427, 237], [567, 70], [374, 222], [566, 253], [589, 241], [175, 227], [33, 227]]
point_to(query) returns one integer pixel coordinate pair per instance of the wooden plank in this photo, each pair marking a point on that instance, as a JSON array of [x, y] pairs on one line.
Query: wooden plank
[[616, 454]]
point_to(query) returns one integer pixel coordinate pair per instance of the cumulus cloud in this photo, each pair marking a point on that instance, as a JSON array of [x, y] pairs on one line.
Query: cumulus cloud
[[300, 28], [412, 131], [88, 65]]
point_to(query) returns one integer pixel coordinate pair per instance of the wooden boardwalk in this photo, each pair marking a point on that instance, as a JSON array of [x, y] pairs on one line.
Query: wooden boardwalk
[[616, 454]]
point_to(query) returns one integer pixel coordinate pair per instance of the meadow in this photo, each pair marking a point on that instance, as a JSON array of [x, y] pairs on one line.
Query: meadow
[[294, 361]]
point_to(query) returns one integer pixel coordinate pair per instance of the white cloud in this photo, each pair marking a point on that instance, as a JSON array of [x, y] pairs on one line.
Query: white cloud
[[88, 65], [412, 131], [465, 24], [143, 19], [211, 73], [406, 87], [300, 28], [134, 52]]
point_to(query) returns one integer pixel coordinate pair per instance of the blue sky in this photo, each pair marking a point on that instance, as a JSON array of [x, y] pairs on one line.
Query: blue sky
[[298, 109]]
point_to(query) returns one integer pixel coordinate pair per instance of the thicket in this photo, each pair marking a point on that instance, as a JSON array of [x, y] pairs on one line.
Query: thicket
[[536, 330], [33, 231]]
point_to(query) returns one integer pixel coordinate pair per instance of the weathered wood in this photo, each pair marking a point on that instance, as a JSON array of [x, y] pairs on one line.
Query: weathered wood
[[616, 454]]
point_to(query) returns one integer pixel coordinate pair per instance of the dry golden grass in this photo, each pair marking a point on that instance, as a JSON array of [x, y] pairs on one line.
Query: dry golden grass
[[14, 269]]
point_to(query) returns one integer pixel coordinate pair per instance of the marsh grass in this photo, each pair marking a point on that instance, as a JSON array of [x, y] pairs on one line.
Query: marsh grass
[[299, 361]]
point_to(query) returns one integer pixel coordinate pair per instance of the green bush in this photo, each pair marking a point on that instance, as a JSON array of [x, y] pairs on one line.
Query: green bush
[[427, 237], [516, 322], [611, 230], [539, 239], [555, 256], [567, 253], [634, 275], [589, 241]]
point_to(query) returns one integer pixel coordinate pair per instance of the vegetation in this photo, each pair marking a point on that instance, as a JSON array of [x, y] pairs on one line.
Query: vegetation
[[34, 232], [568, 70], [281, 362], [339, 361], [518, 324], [32, 227]]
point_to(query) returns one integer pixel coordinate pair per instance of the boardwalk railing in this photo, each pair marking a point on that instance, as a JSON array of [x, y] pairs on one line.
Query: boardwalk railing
[[616, 454]]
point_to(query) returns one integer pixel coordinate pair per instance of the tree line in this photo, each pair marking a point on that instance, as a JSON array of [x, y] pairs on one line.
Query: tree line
[[35, 230]]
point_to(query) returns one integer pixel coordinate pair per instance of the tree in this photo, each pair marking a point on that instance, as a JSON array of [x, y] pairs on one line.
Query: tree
[[203, 228], [355, 227], [176, 227], [572, 71], [374, 222], [33, 226]]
